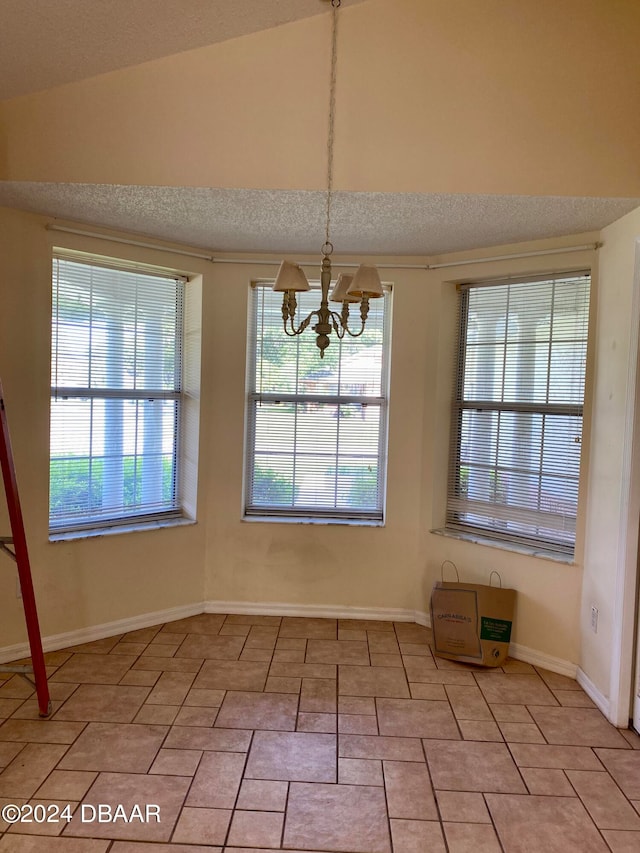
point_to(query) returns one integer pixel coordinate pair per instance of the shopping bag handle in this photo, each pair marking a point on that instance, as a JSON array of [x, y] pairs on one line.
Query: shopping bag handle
[[498, 576], [455, 569]]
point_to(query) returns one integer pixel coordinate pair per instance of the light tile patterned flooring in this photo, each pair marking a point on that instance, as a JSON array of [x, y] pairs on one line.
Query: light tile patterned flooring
[[254, 733]]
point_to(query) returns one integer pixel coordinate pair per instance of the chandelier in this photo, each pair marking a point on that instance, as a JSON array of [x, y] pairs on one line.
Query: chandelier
[[358, 288]]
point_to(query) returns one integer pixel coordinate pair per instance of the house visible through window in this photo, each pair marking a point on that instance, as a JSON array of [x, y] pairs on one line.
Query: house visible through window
[[517, 425], [316, 428], [115, 395]]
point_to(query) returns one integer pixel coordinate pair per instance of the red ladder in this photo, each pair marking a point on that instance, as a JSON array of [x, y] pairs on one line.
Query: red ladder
[[21, 556]]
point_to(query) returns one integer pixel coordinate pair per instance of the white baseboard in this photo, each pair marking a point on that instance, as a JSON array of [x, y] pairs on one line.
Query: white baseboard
[[98, 632], [318, 611], [275, 608], [532, 656], [593, 693], [536, 658]]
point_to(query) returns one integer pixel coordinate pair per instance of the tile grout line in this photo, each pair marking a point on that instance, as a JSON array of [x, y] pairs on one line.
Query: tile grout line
[[509, 744], [491, 818], [193, 776], [435, 796]]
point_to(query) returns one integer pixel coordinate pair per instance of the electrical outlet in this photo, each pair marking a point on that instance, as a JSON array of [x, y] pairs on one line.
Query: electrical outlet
[[594, 619]]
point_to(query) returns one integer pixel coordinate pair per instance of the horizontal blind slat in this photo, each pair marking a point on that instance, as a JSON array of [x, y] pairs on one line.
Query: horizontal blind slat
[[116, 392], [517, 419], [315, 429]]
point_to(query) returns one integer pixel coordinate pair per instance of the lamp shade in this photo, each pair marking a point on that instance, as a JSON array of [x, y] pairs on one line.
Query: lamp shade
[[366, 282], [290, 277], [340, 291]]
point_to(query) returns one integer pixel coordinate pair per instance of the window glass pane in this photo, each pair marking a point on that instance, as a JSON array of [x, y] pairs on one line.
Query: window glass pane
[[561, 446], [519, 441], [525, 375], [357, 482], [315, 481], [567, 371], [516, 444], [484, 311], [317, 452], [116, 345], [273, 480], [478, 439], [113, 329], [111, 458], [571, 310], [275, 428], [316, 429], [483, 371]]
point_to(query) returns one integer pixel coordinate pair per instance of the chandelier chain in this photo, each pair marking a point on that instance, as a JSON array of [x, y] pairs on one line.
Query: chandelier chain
[[361, 287], [335, 4]]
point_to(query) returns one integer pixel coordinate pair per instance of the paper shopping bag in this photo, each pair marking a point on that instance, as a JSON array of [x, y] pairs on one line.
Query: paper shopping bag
[[472, 623]]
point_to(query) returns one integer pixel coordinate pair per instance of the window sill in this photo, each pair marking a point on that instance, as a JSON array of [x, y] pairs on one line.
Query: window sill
[[342, 522], [529, 551], [138, 527]]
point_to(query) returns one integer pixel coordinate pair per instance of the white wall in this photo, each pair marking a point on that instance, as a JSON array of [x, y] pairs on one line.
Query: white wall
[[613, 508]]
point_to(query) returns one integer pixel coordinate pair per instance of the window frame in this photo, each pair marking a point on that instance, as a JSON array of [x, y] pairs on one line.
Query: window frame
[[253, 397], [69, 527], [477, 532]]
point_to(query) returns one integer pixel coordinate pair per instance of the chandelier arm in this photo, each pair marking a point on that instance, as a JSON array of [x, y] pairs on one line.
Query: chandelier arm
[[364, 312], [338, 327], [354, 334], [289, 307], [303, 325], [292, 333]]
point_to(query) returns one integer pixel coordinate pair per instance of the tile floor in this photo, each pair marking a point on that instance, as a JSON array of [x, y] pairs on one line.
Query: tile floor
[[255, 733]]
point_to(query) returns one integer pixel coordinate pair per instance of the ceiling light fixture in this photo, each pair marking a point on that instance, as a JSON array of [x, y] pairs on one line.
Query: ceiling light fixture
[[361, 287]]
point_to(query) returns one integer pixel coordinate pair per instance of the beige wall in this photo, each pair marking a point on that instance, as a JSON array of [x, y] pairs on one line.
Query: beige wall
[[319, 564], [548, 603], [394, 566], [468, 96], [91, 581]]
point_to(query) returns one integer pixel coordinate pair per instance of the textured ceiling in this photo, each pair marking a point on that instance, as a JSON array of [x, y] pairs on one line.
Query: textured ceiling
[[227, 220], [44, 43]]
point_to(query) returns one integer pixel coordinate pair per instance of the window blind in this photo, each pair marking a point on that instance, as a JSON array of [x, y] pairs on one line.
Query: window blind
[[517, 416], [115, 395], [316, 428]]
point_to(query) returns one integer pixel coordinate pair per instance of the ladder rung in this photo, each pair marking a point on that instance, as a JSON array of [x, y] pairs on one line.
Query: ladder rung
[[6, 540], [4, 547], [25, 672]]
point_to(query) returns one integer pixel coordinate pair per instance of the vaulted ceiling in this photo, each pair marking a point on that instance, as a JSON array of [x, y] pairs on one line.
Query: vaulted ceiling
[[204, 122], [46, 44]]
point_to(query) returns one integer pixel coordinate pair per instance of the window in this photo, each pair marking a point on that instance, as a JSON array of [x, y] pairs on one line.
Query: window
[[115, 396], [316, 428], [517, 424]]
